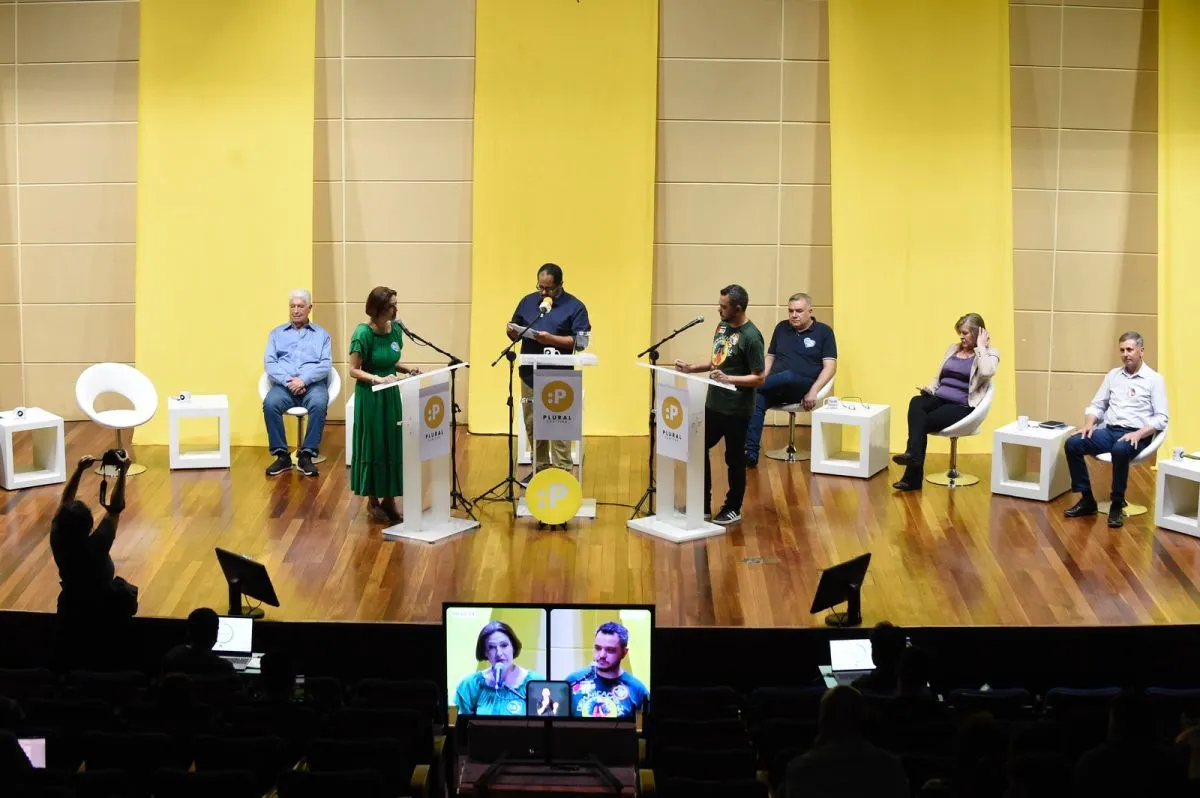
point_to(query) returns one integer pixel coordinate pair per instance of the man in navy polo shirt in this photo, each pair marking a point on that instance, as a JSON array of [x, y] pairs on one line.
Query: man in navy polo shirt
[[801, 359], [555, 333]]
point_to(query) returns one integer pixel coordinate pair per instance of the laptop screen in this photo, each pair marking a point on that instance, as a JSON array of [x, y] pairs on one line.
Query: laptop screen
[[850, 655], [234, 635], [35, 749]]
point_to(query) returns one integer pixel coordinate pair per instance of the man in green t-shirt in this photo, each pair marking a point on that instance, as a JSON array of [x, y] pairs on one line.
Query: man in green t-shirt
[[738, 359]]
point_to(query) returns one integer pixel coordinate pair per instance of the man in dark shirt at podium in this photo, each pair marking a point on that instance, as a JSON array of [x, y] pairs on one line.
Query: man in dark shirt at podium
[[605, 690]]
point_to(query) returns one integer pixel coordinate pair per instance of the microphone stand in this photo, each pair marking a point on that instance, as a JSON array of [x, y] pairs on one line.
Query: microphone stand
[[509, 495], [457, 499], [652, 350]]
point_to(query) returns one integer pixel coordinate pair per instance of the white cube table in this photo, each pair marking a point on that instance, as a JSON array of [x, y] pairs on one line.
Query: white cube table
[[203, 406], [49, 452], [1177, 496], [1010, 452], [828, 457]]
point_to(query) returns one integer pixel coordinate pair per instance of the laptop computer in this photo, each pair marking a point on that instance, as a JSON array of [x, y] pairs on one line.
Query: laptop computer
[[235, 642], [850, 659], [35, 750]]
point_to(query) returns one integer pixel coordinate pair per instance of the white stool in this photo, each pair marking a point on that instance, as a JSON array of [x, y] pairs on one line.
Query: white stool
[[49, 452], [1010, 447], [874, 424], [790, 454], [334, 387], [1145, 454], [1177, 496], [970, 425], [210, 406]]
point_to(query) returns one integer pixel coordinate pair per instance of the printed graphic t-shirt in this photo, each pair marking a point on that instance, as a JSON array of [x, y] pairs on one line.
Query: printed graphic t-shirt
[[595, 696], [737, 351]]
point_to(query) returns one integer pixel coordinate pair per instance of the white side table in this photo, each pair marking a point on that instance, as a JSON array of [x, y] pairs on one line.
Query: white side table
[[1010, 452], [49, 451], [1177, 496], [203, 406], [828, 457]]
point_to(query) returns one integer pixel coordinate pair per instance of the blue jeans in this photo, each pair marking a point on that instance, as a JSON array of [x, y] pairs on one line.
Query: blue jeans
[[1103, 439], [279, 400], [780, 388]]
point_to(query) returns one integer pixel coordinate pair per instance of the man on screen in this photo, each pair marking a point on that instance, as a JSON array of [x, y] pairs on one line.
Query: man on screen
[[605, 690]]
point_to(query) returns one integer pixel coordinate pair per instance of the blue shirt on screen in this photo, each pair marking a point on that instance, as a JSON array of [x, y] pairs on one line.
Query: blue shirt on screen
[[802, 353], [596, 696], [303, 353], [567, 316]]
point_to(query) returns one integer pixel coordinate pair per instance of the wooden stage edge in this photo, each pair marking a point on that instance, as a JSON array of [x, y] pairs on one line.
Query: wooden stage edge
[[939, 557]]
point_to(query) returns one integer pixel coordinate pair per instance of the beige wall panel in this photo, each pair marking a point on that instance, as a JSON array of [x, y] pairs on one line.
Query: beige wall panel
[[720, 90], [1110, 99], [410, 88], [329, 28], [1070, 395], [422, 273], [328, 89], [1033, 219], [1033, 275], [8, 21], [1034, 33], [408, 149], [59, 274], [75, 32], [1034, 157], [328, 272], [806, 30], [8, 214], [408, 211], [693, 345], [808, 270], [1109, 160], [51, 386], [1093, 222], [109, 333], [716, 214], [10, 334], [9, 279], [1108, 38], [1032, 394], [718, 152], [1088, 341], [806, 153], [1034, 98], [805, 91], [695, 274], [807, 216], [327, 211], [8, 95], [81, 214], [1032, 337], [720, 28], [332, 317], [410, 28], [11, 385], [8, 154], [1112, 3], [1097, 282], [327, 149], [105, 153], [99, 92]]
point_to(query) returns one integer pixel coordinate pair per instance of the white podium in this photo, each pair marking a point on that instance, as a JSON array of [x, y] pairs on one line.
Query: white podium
[[205, 406], [1177, 496], [668, 523], [49, 453], [1010, 450], [587, 508], [425, 425], [873, 422]]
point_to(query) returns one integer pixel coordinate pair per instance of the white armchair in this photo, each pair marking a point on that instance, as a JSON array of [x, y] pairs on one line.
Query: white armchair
[[334, 388], [790, 454], [1143, 455], [127, 382], [970, 425]]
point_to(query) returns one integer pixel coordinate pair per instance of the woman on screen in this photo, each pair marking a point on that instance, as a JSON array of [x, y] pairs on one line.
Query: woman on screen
[[500, 688]]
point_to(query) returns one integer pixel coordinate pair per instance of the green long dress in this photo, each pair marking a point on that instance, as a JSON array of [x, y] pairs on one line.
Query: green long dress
[[377, 464]]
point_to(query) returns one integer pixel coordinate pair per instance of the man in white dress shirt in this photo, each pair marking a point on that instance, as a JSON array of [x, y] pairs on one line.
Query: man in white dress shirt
[[1125, 414]]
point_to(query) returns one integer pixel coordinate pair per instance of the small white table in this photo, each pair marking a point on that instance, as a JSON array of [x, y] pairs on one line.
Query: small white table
[[203, 406], [1177, 496], [49, 451], [1010, 454], [828, 456]]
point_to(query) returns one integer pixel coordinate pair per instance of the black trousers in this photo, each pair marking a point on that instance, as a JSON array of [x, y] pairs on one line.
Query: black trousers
[[928, 414], [733, 430]]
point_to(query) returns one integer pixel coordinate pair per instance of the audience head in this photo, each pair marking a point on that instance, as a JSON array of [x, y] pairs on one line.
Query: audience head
[[887, 646], [968, 328], [278, 673], [202, 626], [497, 642], [915, 671], [73, 520], [799, 310], [299, 306], [1133, 350], [549, 279], [979, 736], [734, 301], [381, 303], [1130, 717], [840, 713]]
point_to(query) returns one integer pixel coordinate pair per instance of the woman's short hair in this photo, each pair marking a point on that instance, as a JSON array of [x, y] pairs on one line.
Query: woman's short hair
[[73, 519], [973, 320], [379, 299], [488, 631]]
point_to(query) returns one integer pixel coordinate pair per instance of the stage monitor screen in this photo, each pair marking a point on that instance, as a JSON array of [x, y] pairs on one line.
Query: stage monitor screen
[[485, 643], [604, 655]]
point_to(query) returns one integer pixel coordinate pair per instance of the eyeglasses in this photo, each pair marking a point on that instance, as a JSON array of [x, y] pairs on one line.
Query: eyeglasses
[[541, 289]]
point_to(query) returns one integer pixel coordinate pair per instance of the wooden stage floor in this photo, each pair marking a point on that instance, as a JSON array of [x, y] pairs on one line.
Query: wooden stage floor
[[940, 558]]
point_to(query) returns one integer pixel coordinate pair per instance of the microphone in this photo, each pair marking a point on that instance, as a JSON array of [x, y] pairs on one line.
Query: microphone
[[496, 669], [692, 323], [545, 306]]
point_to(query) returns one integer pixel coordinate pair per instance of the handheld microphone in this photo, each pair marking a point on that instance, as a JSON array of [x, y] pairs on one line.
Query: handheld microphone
[[545, 306]]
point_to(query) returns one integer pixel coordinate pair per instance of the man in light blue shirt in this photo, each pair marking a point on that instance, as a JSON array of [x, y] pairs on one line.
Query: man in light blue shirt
[[297, 362]]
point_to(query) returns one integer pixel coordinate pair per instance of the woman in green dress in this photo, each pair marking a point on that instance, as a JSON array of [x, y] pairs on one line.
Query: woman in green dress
[[377, 464]]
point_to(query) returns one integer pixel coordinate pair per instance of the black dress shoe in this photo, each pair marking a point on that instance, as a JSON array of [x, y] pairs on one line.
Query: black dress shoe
[[1081, 508], [1116, 515], [902, 459], [907, 484]]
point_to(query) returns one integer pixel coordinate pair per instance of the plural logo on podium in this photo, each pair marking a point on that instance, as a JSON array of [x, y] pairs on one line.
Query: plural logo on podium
[[672, 412], [558, 405], [553, 496], [434, 431], [557, 396], [435, 411], [672, 430]]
